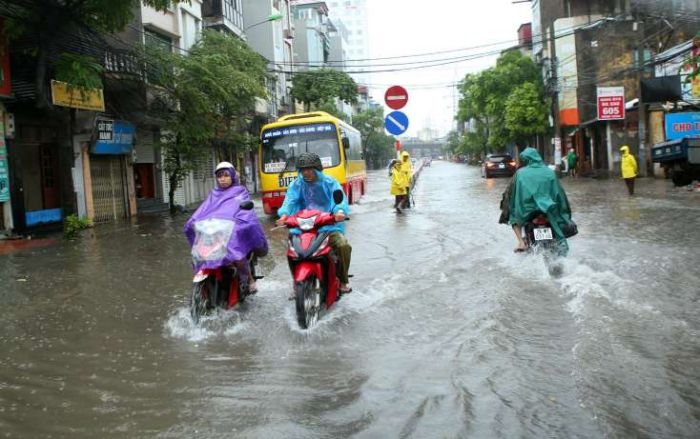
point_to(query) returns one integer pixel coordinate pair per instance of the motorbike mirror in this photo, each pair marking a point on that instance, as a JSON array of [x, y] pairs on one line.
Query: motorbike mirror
[[338, 196], [247, 205]]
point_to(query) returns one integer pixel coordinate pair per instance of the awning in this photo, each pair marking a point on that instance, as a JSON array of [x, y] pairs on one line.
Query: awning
[[573, 130]]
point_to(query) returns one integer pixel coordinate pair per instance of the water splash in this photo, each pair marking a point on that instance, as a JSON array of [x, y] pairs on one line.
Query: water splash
[[180, 325]]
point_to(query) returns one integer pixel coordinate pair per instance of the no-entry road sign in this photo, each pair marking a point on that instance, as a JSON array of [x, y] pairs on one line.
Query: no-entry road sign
[[396, 97], [396, 123]]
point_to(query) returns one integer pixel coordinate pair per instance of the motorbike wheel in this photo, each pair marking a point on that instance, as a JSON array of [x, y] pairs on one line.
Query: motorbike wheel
[[308, 302], [200, 300]]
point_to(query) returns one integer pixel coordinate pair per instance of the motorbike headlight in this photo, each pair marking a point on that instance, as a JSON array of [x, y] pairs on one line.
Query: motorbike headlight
[[306, 224]]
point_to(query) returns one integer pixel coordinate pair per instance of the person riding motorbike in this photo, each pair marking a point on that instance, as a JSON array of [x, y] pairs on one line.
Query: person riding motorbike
[[312, 189], [248, 236], [535, 188]]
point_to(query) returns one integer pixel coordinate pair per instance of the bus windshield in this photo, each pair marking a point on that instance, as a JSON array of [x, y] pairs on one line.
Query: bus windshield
[[281, 146]]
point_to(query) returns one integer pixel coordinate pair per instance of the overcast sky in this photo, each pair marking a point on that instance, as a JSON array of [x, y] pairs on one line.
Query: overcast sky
[[401, 27]]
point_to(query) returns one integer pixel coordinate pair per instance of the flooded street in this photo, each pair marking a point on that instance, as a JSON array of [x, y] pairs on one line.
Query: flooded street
[[447, 333]]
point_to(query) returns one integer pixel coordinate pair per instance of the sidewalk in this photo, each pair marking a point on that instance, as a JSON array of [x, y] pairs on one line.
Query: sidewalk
[[8, 246]]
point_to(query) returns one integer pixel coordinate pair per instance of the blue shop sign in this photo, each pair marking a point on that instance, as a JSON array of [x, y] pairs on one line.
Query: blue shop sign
[[680, 125], [114, 137], [46, 216]]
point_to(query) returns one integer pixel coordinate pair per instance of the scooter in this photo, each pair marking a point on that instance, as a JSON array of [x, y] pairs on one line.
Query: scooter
[[218, 287], [313, 264], [539, 237], [538, 233]]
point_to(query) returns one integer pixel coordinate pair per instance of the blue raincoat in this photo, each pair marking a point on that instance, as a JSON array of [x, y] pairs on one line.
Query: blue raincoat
[[220, 218], [317, 195]]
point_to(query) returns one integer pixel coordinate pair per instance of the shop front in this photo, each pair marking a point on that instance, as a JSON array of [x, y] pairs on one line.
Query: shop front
[[109, 171]]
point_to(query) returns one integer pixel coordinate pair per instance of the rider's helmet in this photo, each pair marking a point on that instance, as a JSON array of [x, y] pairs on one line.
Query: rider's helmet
[[309, 160], [229, 169], [223, 165]]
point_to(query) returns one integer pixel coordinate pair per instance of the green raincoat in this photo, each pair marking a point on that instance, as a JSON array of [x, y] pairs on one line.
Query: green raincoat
[[535, 188]]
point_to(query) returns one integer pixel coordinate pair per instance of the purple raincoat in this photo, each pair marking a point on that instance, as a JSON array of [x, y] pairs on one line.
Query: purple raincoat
[[220, 232]]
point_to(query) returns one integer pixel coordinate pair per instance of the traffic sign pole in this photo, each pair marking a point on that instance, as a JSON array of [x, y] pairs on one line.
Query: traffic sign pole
[[396, 122]]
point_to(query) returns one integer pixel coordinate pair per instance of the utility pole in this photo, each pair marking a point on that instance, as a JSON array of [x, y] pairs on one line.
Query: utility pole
[[557, 140], [642, 113]]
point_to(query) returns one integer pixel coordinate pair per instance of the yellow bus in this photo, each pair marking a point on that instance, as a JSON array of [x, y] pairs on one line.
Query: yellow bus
[[337, 143]]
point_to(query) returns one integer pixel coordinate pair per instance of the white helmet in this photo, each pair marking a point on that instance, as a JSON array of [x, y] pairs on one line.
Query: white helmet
[[223, 165]]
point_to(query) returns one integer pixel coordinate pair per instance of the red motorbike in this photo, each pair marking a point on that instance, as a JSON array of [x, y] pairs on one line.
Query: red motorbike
[[313, 264], [218, 287]]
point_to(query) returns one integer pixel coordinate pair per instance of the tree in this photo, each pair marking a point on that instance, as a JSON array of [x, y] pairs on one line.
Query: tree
[[377, 146], [330, 108], [316, 87], [54, 25], [205, 99], [484, 97], [526, 113]]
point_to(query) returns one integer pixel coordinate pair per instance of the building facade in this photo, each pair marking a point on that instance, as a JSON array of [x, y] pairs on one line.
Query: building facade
[[355, 19], [582, 45]]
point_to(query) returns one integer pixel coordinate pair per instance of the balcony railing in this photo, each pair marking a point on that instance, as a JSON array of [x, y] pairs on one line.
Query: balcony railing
[[123, 62]]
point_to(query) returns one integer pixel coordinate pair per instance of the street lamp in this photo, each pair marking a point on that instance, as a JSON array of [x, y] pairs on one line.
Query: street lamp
[[273, 17]]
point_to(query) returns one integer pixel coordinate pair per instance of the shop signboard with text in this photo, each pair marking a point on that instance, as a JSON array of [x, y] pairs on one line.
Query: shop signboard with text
[[680, 125], [611, 103], [71, 96], [114, 137]]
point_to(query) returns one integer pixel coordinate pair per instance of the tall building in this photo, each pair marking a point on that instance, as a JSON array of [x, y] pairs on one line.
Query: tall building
[[353, 15], [312, 34]]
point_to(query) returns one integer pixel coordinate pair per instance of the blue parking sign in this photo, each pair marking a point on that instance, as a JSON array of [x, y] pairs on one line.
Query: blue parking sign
[[396, 122]]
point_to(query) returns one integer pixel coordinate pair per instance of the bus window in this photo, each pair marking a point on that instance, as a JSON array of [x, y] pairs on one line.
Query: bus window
[[355, 146], [280, 146]]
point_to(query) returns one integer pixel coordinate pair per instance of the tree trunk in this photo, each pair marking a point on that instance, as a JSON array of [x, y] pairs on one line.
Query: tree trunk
[[42, 61], [174, 178]]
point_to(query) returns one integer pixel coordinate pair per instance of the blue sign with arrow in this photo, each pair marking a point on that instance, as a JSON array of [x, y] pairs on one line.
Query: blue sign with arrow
[[396, 122]]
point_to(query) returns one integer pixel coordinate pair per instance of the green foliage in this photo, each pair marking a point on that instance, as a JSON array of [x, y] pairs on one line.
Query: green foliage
[[526, 113], [73, 224], [205, 99], [79, 71], [315, 87], [485, 98], [50, 22], [99, 15], [453, 140], [330, 108], [378, 147]]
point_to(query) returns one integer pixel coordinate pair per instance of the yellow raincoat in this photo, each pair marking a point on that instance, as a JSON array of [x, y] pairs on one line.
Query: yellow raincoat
[[399, 182], [406, 167], [628, 164]]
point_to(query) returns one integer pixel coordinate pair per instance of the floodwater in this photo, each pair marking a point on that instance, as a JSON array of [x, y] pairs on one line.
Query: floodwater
[[447, 333]]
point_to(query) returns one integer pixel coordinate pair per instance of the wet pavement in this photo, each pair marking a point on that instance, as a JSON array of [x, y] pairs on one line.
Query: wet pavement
[[448, 333]]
